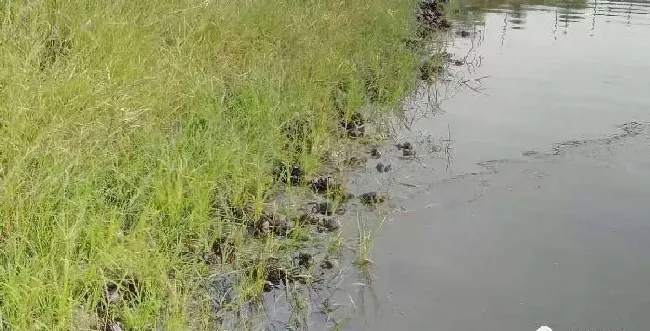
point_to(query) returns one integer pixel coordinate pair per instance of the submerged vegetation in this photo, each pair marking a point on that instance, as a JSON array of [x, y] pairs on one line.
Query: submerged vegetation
[[141, 141]]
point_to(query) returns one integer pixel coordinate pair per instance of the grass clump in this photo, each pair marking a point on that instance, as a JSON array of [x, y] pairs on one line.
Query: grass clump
[[136, 134]]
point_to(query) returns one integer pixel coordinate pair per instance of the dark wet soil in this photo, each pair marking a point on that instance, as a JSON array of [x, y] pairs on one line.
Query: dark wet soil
[[325, 215], [431, 15], [275, 223], [329, 263], [305, 259], [354, 125], [224, 249], [325, 184], [429, 70], [329, 224], [327, 208], [292, 174], [128, 291], [298, 133]]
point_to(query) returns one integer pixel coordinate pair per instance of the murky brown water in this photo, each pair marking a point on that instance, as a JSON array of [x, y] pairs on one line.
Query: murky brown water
[[539, 214]]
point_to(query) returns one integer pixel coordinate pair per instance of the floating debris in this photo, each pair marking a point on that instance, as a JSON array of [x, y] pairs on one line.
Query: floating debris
[[407, 149], [375, 153], [405, 145], [383, 167], [372, 198], [408, 152], [531, 153]]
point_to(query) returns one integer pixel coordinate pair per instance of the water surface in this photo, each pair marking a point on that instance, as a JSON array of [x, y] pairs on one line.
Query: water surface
[[535, 212]]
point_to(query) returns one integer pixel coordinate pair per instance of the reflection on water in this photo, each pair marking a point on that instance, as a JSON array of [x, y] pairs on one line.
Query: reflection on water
[[564, 12], [473, 12], [545, 72]]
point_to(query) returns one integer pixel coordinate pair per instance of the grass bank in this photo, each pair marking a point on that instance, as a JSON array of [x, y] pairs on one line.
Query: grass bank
[[128, 129]]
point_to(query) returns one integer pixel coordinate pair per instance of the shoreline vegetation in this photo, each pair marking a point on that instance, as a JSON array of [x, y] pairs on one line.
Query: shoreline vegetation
[[143, 146]]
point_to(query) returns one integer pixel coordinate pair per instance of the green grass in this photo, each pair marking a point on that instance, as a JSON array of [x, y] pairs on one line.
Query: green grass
[[367, 234], [124, 124]]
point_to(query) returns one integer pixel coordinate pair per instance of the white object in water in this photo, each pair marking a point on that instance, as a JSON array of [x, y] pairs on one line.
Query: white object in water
[[544, 328]]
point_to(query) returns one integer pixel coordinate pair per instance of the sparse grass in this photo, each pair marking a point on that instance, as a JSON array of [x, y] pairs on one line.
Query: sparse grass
[[129, 128], [335, 244], [366, 236], [300, 309]]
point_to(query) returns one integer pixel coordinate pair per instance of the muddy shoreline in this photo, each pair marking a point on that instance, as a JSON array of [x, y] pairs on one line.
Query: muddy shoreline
[[316, 211], [306, 216], [172, 165], [303, 288]]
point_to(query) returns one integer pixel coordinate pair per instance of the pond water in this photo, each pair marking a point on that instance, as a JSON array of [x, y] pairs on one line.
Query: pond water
[[529, 202]]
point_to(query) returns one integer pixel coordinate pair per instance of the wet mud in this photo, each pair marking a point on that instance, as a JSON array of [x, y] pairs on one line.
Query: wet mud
[[310, 218], [128, 291], [431, 15]]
